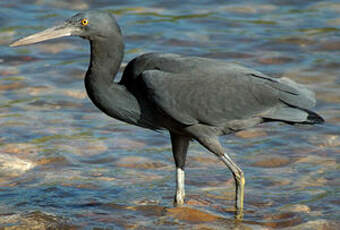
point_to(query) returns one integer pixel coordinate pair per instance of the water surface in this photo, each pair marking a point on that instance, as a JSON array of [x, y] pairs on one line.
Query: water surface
[[64, 164]]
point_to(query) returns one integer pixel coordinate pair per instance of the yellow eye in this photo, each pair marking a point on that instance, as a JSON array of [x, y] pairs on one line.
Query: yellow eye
[[84, 22]]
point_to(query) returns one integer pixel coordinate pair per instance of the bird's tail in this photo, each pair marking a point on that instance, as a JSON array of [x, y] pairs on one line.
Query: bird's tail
[[313, 118], [296, 102], [293, 115]]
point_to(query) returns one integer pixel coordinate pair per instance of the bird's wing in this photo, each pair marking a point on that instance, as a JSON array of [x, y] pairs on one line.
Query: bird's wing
[[231, 93]]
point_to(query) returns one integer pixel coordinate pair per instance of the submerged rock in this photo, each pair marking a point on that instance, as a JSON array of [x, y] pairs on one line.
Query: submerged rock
[[12, 86], [325, 141], [251, 133], [249, 9], [280, 220], [127, 144], [139, 163], [12, 166], [20, 149], [271, 162], [275, 60], [192, 215], [316, 225], [34, 220], [326, 162], [78, 94], [57, 47], [296, 208]]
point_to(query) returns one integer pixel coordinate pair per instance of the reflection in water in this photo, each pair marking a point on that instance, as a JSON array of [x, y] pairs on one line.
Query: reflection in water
[[64, 164]]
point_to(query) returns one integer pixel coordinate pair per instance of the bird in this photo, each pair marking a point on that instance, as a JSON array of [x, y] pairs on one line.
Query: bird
[[193, 98]]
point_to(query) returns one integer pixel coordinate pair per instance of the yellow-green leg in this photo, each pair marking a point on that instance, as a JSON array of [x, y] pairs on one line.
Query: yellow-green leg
[[239, 185], [213, 145]]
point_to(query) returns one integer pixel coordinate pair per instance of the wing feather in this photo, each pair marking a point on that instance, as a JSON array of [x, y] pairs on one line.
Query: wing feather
[[228, 92]]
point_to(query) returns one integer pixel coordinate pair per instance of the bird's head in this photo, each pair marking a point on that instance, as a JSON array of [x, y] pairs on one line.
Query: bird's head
[[91, 25]]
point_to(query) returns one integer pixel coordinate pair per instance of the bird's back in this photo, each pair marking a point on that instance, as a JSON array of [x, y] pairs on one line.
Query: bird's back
[[193, 90], [174, 63]]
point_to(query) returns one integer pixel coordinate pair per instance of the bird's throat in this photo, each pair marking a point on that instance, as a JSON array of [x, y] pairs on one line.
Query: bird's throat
[[110, 97], [106, 58]]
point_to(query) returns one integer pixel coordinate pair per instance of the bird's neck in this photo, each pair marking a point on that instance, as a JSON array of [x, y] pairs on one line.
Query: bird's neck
[[111, 98], [106, 58]]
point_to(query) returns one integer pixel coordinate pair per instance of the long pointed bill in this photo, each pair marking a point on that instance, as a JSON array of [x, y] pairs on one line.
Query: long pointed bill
[[51, 33]]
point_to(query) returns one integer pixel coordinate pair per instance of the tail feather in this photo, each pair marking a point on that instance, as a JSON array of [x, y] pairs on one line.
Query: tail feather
[[295, 104], [295, 94], [313, 118], [293, 115]]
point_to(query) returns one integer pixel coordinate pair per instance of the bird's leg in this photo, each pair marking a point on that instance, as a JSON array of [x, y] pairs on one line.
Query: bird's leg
[[180, 191], [239, 182], [214, 146], [180, 146]]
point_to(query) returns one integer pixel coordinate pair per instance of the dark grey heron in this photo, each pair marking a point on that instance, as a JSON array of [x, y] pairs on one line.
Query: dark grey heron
[[193, 98]]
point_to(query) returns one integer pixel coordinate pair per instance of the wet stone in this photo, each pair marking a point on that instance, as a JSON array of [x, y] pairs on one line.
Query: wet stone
[[250, 8], [20, 148], [317, 225], [79, 94], [12, 86], [57, 47], [192, 215], [139, 163], [197, 201], [275, 60], [38, 90], [271, 162], [149, 210], [251, 133], [34, 220], [326, 162], [51, 160], [127, 144], [13, 166], [281, 220], [296, 208]]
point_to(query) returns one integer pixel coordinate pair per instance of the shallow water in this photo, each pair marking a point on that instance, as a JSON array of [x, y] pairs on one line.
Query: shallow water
[[65, 165]]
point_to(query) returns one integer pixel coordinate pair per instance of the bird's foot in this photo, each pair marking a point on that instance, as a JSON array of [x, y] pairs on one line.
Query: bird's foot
[[238, 214], [179, 199]]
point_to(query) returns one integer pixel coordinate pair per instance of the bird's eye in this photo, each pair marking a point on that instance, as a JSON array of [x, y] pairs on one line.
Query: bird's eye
[[84, 22]]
